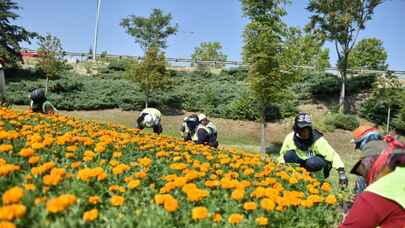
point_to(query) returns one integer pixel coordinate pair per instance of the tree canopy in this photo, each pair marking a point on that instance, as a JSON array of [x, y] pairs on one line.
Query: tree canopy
[[151, 31], [209, 51], [369, 54], [11, 35]]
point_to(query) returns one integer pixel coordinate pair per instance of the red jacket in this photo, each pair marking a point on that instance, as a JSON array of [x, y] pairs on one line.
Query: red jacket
[[371, 210]]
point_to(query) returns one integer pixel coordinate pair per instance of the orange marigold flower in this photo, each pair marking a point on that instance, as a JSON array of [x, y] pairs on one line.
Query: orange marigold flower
[[216, 217], [7, 225], [60, 203], [199, 213], [170, 204], [90, 215], [94, 200], [133, 184], [326, 187], [75, 165], [238, 194], [13, 195], [34, 159], [69, 155], [267, 204], [117, 200], [235, 218], [249, 206], [330, 199], [26, 152], [37, 146], [6, 147], [29, 187], [262, 221], [72, 148]]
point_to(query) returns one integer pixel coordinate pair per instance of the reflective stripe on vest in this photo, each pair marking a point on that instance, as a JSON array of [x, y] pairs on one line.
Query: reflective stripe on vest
[[391, 186]]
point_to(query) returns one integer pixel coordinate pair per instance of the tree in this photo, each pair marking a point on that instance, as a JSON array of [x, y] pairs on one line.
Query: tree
[[340, 21], [151, 31], [208, 51], [11, 35], [150, 73], [50, 54], [305, 49], [369, 54], [269, 72]]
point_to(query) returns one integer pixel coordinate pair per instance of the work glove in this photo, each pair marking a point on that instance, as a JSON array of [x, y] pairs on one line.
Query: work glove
[[343, 180]]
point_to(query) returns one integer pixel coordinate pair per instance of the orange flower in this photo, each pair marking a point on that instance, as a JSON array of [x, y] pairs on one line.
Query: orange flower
[[216, 217], [60, 203], [133, 184], [90, 215], [13, 195], [262, 221], [171, 204], [94, 200], [12, 212], [7, 225], [75, 165], [267, 204], [37, 146], [26, 152], [249, 206], [326, 187], [238, 194], [29, 187], [34, 159], [235, 218], [330, 199], [117, 200], [5, 147], [199, 213]]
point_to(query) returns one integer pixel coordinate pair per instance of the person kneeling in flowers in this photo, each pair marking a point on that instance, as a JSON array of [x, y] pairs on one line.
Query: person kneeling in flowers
[[382, 203], [308, 148], [189, 126], [150, 118], [39, 102], [206, 132]]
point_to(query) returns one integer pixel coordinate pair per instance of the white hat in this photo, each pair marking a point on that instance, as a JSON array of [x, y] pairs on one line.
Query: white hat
[[201, 117]]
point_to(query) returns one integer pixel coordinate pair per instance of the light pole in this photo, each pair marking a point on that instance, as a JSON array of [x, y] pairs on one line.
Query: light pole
[[96, 30]]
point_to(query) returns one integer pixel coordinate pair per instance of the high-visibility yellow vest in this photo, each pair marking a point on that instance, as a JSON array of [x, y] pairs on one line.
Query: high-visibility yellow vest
[[391, 186]]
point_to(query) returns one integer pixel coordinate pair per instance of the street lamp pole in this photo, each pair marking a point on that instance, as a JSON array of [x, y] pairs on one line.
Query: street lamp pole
[[96, 30]]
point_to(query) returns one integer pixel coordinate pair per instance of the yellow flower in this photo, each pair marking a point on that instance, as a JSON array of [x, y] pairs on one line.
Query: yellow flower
[[5, 147], [267, 204], [117, 200], [34, 159], [133, 184], [235, 218], [13, 195], [90, 215], [330, 199], [199, 213], [249, 206], [94, 200], [11, 212], [262, 221], [60, 203], [37, 146]]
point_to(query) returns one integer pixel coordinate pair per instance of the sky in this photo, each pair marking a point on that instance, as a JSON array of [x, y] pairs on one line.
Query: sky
[[210, 20]]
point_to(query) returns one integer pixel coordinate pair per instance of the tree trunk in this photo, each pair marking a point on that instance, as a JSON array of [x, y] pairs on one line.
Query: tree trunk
[[342, 94], [2, 86], [263, 127], [388, 119], [46, 86], [146, 100]]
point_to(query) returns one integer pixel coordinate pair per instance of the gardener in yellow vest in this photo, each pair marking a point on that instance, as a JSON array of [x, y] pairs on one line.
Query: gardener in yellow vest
[[308, 148], [206, 132], [382, 204], [150, 118]]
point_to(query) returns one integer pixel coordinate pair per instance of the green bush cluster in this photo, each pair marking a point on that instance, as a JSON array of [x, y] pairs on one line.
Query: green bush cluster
[[223, 95], [341, 121]]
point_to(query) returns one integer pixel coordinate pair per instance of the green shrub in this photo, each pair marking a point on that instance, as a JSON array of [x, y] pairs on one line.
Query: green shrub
[[399, 121], [341, 121]]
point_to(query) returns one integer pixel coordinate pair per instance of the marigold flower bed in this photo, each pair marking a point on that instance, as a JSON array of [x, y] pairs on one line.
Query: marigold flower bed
[[64, 172]]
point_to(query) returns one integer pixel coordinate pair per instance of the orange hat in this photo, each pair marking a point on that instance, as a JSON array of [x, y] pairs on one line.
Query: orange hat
[[361, 131]]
